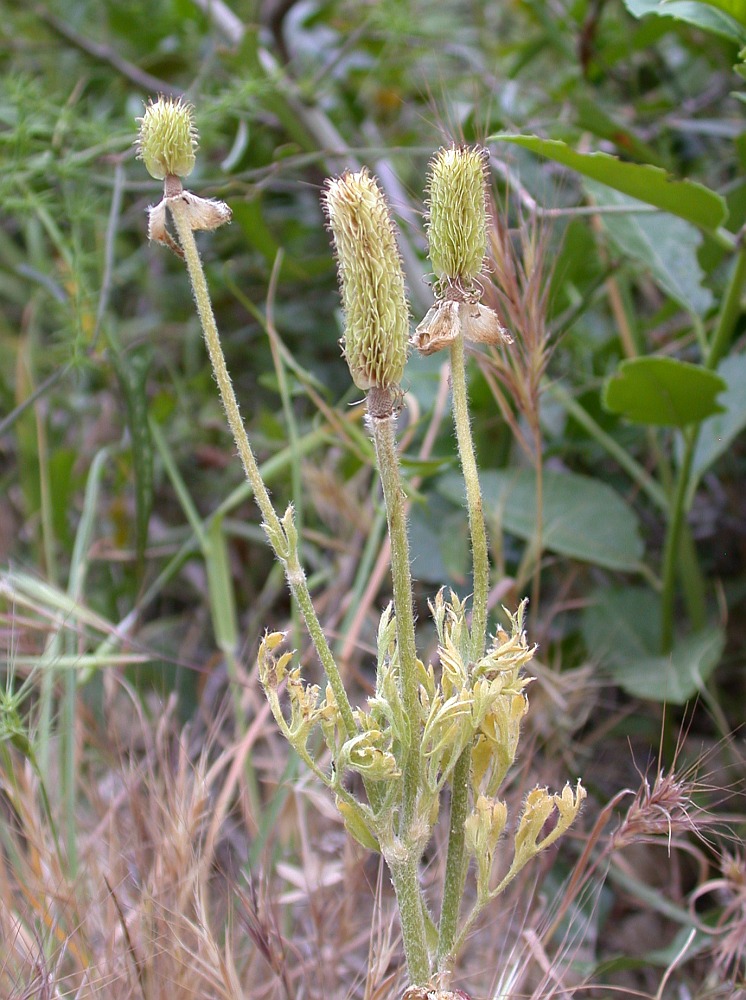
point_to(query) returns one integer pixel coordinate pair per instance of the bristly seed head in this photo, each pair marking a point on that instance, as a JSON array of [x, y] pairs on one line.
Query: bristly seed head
[[457, 213], [371, 280], [167, 140]]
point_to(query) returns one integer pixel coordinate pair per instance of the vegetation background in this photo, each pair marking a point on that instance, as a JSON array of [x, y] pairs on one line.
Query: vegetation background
[[156, 840]]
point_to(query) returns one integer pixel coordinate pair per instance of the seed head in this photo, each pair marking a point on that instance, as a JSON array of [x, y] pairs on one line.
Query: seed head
[[167, 140], [457, 215], [371, 280]]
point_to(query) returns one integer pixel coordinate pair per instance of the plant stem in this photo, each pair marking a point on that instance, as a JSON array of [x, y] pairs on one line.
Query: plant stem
[[404, 875], [477, 531], [671, 545], [384, 438], [453, 886], [455, 876], [294, 572], [729, 313]]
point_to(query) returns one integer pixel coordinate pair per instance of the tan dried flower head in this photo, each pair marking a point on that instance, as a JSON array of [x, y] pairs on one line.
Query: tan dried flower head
[[457, 214], [167, 140], [371, 280]]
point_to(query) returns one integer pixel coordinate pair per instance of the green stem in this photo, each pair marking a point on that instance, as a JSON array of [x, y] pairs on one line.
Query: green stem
[[384, 438], [453, 886], [729, 311], [473, 499], [404, 875], [455, 875], [671, 545], [295, 575]]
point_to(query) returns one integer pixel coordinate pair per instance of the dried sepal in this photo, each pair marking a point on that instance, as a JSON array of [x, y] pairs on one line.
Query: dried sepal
[[201, 214], [450, 317], [371, 280], [438, 330]]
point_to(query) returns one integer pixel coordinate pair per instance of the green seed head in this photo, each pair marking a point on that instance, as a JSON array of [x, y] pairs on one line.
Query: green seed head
[[371, 280], [457, 216], [167, 140]]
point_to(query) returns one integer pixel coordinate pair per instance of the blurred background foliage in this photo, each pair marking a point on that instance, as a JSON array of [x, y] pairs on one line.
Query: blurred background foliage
[[128, 540]]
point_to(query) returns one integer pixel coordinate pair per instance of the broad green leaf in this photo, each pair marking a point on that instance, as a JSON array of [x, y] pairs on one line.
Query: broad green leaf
[[663, 391], [704, 14], [733, 8], [621, 633], [582, 517], [652, 185], [665, 245], [676, 677], [622, 624], [438, 542], [719, 430]]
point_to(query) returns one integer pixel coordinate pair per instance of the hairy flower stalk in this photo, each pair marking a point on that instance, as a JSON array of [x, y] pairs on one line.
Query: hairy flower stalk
[[457, 243], [375, 346], [425, 729], [167, 141]]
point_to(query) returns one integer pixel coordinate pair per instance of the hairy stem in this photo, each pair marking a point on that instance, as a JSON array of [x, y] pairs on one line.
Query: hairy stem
[[384, 438], [295, 575], [453, 887]]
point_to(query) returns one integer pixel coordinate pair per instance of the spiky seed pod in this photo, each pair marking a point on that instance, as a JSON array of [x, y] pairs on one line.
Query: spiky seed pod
[[457, 213], [167, 140], [371, 280]]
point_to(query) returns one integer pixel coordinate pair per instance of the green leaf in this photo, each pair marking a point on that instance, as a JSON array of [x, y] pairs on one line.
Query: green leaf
[[654, 186], [733, 8], [621, 633], [582, 517], [700, 14], [677, 677], [718, 431], [665, 245], [663, 391], [622, 624]]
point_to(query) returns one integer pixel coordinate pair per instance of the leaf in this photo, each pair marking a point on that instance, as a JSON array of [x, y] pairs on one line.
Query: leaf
[[666, 245], [654, 186], [719, 430], [663, 391], [676, 677], [582, 517], [621, 624], [733, 8], [621, 633], [698, 14]]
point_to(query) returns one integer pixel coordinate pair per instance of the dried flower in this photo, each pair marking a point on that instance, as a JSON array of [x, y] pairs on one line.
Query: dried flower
[[371, 280]]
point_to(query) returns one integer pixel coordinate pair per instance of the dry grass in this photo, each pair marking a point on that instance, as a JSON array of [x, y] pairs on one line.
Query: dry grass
[[165, 904]]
